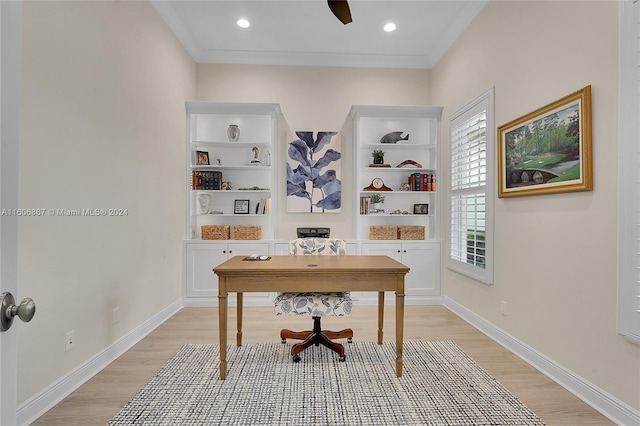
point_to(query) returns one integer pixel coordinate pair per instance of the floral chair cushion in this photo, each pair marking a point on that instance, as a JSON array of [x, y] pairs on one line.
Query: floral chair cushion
[[315, 304], [317, 246]]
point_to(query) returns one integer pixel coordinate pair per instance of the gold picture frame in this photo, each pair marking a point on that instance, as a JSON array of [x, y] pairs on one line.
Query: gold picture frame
[[548, 150]]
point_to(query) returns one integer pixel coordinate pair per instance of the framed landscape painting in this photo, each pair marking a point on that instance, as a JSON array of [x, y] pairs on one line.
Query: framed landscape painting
[[549, 150]]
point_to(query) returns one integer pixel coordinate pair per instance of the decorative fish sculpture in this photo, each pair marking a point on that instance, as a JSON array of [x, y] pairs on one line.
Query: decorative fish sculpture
[[394, 137]]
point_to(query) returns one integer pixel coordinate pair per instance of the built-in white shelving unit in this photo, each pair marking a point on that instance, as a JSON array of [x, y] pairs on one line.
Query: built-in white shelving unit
[[244, 165], [402, 204], [249, 166], [238, 179], [405, 203]]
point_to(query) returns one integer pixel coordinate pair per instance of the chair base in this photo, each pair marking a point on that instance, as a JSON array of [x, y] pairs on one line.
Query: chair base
[[316, 337]]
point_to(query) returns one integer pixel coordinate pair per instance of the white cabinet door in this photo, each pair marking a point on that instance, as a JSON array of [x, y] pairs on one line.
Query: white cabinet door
[[394, 251], [201, 258], [281, 249], [422, 283], [247, 249]]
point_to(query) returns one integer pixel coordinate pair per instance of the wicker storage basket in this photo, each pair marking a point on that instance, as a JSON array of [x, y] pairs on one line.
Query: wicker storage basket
[[411, 232], [216, 232], [383, 232], [242, 232]]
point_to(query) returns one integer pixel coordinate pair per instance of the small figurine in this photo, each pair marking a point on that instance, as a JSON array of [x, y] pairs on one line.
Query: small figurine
[[256, 155], [394, 137]]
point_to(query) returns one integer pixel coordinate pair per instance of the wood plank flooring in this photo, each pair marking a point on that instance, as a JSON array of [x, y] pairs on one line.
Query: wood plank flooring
[[98, 400]]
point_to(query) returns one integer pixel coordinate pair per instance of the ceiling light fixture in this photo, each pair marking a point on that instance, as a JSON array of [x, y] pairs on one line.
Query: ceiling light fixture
[[390, 27], [243, 23]]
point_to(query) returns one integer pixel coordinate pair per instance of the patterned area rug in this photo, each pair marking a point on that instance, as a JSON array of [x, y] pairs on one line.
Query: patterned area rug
[[440, 385]]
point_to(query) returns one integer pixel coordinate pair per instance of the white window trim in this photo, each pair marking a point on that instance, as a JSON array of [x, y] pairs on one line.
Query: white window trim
[[485, 275], [629, 170]]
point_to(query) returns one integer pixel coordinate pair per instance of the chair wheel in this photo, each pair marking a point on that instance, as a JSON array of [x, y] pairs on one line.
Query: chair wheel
[[296, 358], [283, 340], [350, 340], [342, 358]]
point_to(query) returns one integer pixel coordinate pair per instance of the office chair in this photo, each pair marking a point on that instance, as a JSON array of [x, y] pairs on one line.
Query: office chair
[[315, 305]]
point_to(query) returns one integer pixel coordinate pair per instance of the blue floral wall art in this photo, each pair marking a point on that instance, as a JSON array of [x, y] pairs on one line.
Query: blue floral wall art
[[313, 173]]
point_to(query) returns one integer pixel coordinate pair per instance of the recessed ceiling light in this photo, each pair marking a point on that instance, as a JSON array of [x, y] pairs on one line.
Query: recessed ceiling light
[[243, 23], [390, 27]]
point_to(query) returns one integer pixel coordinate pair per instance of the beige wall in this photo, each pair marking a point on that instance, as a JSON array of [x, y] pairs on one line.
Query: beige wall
[[555, 255], [102, 126], [315, 99]]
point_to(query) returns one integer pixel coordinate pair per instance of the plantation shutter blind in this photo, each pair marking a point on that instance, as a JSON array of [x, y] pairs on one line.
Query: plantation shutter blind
[[468, 195]]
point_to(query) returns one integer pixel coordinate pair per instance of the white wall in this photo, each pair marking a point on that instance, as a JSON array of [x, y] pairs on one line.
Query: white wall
[[102, 126], [555, 255], [314, 99]]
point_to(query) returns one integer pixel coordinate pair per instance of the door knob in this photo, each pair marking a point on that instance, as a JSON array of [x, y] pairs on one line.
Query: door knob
[[8, 310]]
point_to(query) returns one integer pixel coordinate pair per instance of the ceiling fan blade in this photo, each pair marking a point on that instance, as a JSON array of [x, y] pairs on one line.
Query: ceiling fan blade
[[340, 8]]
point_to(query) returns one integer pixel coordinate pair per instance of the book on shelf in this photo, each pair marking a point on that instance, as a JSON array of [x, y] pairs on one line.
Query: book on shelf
[[263, 206], [422, 182], [365, 205], [206, 179]]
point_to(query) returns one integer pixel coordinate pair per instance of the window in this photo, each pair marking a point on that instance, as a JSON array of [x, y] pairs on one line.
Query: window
[[629, 172], [471, 176]]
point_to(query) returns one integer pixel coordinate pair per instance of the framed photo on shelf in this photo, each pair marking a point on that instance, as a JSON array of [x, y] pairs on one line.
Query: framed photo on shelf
[[202, 158], [241, 207], [421, 209], [548, 150]]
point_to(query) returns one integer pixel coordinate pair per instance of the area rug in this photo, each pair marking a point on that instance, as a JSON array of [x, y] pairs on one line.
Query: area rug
[[440, 385]]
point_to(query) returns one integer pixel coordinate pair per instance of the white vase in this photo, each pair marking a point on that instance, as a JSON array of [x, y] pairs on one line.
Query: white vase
[[233, 132], [203, 202]]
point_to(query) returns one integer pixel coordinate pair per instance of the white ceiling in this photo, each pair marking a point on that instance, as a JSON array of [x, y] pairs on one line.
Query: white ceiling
[[305, 32]]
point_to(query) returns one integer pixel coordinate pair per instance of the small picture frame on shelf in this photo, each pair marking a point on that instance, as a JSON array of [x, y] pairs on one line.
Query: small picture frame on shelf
[[241, 207], [421, 209], [202, 158]]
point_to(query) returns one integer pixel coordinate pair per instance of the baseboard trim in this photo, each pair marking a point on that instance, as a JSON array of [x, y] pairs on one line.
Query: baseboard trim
[[43, 401], [608, 405]]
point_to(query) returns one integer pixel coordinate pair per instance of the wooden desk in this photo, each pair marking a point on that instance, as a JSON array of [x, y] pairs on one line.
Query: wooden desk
[[311, 273]]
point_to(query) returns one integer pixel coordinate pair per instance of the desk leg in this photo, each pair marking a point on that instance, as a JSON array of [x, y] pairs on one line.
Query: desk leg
[[399, 330], [239, 333], [222, 321], [380, 315]]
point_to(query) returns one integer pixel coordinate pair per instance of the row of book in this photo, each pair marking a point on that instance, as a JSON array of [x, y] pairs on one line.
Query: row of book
[[263, 206], [422, 182], [366, 206], [206, 179]]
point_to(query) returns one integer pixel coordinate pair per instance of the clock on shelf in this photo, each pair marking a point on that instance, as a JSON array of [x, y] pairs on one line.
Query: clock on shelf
[[377, 184]]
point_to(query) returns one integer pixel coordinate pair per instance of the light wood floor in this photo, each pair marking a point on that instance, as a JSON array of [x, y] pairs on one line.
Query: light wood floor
[[98, 400]]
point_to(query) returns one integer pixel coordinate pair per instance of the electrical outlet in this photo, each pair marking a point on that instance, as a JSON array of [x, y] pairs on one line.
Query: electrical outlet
[[115, 315], [69, 340], [503, 308]]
